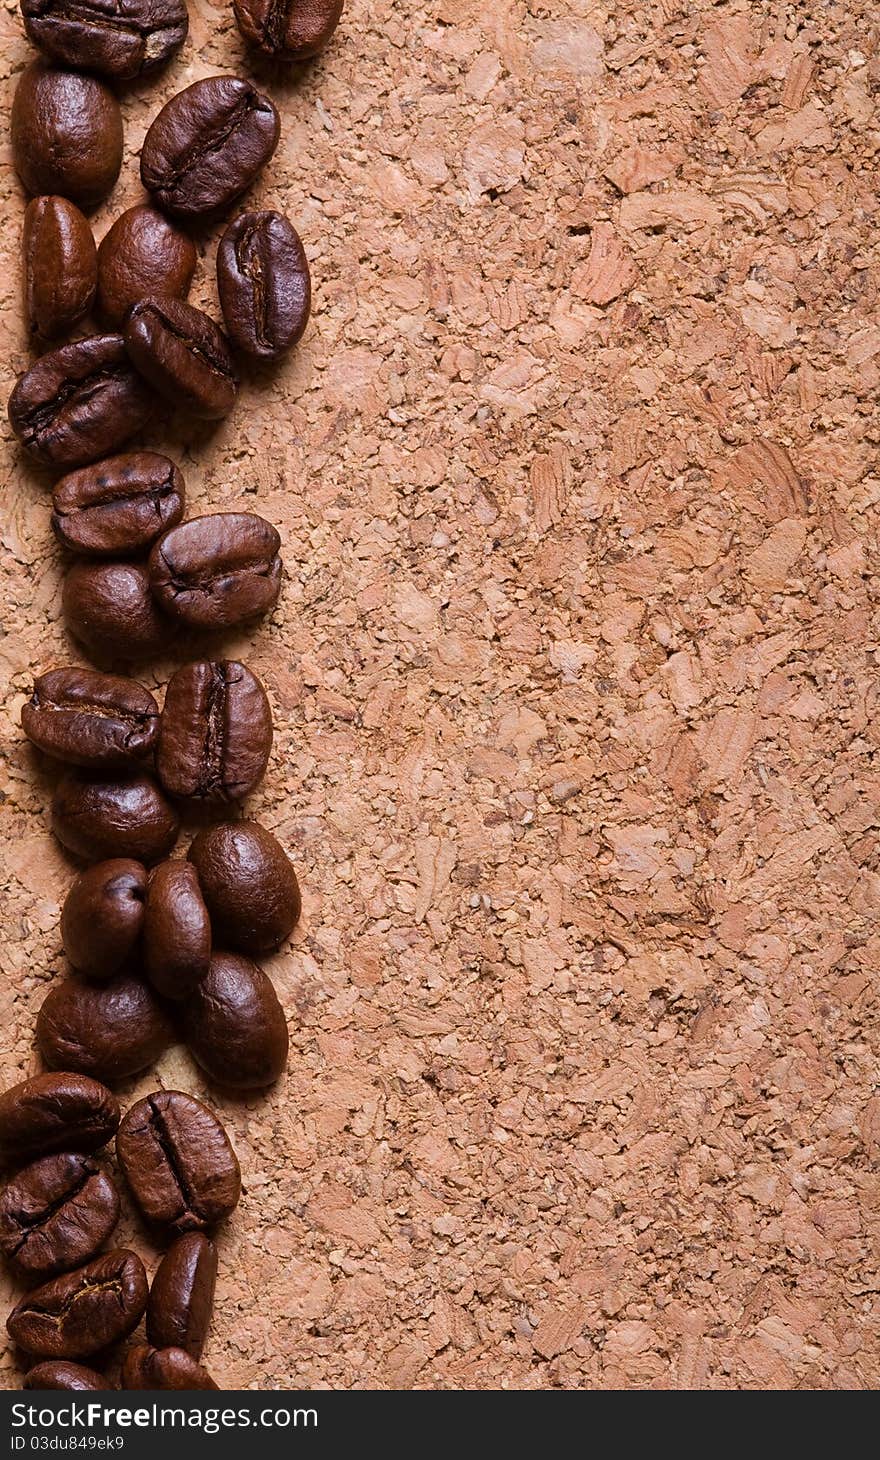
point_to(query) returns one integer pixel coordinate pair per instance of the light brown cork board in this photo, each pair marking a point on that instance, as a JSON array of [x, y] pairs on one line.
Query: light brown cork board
[[575, 680]]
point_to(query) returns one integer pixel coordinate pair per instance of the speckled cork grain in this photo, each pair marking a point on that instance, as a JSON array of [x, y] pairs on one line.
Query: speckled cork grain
[[574, 677]]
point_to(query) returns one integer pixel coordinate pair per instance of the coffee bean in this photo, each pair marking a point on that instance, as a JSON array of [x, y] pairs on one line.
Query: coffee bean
[[59, 1374], [183, 355], [178, 1162], [91, 719], [60, 266], [168, 1368], [182, 1295], [103, 915], [128, 38], [264, 283], [79, 402], [110, 1031], [248, 884], [55, 1214], [66, 134], [109, 608], [142, 254], [213, 572], [118, 506], [59, 1112], [216, 732], [207, 145], [177, 930], [97, 818], [235, 1026], [83, 1311], [293, 29]]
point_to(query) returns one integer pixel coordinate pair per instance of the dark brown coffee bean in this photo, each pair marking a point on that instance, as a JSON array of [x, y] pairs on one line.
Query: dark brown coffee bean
[[235, 1026], [264, 283], [110, 1030], [248, 884], [60, 266], [66, 134], [124, 39], [207, 145], [103, 915], [59, 1374], [118, 506], [216, 732], [91, 719], [60, 1112], [141, 255], [55, 1214], [182, 1295], [177, 930], [213, 572], [80, 402], [168, 1368], [96, 818], [83, 1311], [292, 29], [110, 609], [183, 355], [178, 1162]]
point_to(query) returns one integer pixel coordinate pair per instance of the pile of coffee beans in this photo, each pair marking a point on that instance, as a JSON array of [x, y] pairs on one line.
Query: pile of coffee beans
[[160, 947]]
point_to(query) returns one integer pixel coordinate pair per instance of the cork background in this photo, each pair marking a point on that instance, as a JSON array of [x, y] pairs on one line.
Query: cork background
[[575, 683]]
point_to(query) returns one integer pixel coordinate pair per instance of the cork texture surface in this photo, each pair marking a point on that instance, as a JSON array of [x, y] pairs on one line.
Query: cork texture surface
[[574, 675]]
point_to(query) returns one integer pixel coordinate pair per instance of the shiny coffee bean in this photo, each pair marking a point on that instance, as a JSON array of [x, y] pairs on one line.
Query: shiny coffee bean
[[80, 402], [60, 266], [59, 1374], [91, 719], [264, 283], [83, 1311], [109, 608], [177, 930], [248, 884], [182, 1295], [55, 1215], [216, 732], [178, 1162], [103, 915], [235, 1026], [213, 572], [168, 1368], [66, 132], [142, 254], [118, 506], [110, 1030], [58, 1112], [96, 818], [183, 355], [207, 145], [290, 29], [125, 39]]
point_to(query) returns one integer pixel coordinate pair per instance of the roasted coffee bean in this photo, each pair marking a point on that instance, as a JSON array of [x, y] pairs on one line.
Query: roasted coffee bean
[[177, 930], [216, 732], [118, 506], [178, 1162], [213, 572], [110, 609], [55, 1214], [110, 1030], [79, 402], [97, 818], [103, 915], [59, 1374], [182, 1295], [291, 29], [122, 39], [168, 1368], [66, 134], [207, 145], [264, 283], [183, 355], [248, 884], [83, 1311], [60, 1112], [91, 719], [141, 255], [235, 1026], [60, 266]]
